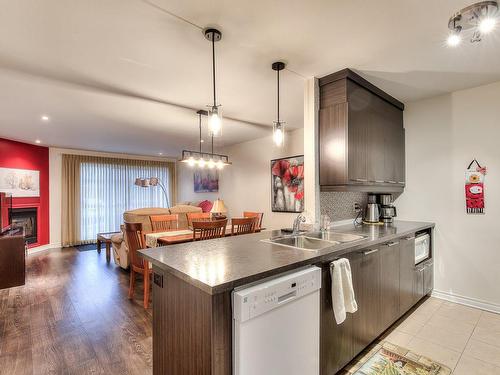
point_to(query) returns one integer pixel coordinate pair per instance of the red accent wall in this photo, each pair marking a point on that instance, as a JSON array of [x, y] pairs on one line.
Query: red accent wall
[[25, 156]]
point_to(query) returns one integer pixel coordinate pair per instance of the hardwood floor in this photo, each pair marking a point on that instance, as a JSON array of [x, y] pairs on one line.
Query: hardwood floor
[[73, 317]]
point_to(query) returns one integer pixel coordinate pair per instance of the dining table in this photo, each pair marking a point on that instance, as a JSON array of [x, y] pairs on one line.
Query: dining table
[[156, 239]]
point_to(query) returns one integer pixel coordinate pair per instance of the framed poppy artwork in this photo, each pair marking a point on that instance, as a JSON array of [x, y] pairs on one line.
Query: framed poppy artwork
[[287, 184]]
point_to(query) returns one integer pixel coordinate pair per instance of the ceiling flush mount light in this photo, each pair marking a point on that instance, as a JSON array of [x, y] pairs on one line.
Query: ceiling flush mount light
[[214, 113], [476, 20], [45, 118], [204, 159], [278, 125]]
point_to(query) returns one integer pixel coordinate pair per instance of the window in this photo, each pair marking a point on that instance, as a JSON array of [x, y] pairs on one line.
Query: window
[[107, 190]]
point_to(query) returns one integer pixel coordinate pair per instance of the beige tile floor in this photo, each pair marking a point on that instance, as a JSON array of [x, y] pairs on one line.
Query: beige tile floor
[[465, 339]]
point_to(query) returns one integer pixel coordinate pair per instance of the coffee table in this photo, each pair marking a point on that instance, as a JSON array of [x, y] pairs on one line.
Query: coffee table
[[105, 238]]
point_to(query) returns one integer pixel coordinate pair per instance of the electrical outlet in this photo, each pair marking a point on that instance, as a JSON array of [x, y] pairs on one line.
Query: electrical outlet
[[357, 207]]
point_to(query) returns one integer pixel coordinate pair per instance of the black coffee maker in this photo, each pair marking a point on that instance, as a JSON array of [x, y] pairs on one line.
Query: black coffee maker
[[387, 209]]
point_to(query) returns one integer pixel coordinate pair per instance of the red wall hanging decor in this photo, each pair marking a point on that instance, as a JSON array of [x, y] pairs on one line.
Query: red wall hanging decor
[[474, 188]]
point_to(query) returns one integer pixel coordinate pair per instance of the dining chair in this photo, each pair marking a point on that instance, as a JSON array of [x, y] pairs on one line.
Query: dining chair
[[135, 242], [243, 225], [207, 230], [198, 216], [259, 215], [162, 223]]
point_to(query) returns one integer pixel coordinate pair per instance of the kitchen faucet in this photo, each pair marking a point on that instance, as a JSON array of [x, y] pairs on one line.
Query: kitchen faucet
[[296, 223]]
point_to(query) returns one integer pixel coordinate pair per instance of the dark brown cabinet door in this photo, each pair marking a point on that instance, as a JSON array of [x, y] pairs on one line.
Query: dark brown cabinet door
[[336, 340], [361, 138], [332, 138], [389, 283], [365, 268], [359, 122], [428, 277], [406, 273], [418, 283]]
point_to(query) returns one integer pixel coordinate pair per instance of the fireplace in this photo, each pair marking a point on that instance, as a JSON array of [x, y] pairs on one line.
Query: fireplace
[[26, 218]]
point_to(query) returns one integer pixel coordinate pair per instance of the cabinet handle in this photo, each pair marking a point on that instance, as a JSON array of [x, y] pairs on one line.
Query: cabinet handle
[[409, 238], [401, 182], [360, 179], [370, 252], [391, 182], [394, 243], [379, 181]]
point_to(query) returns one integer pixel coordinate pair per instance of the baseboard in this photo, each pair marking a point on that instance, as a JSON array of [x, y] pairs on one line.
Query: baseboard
[[467, 301], [39, 249]]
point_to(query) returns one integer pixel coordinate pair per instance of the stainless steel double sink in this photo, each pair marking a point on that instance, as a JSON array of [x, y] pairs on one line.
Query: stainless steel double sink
[[314, 241]]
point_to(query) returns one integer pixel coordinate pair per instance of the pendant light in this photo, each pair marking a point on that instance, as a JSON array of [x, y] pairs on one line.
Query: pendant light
[[278, 125], [204, 159], [214, 112]]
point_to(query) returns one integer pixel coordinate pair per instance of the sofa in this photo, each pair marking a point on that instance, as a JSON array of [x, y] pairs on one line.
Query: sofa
[[141, 215]]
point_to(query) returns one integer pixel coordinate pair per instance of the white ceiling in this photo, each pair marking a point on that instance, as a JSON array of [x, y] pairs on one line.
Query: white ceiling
[[126, 76]]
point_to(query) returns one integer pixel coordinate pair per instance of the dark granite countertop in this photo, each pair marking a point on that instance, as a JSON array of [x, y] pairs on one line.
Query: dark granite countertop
[[216, 266]]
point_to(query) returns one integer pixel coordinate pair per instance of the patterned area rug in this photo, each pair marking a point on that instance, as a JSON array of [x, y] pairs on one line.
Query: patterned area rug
[[389, 359]]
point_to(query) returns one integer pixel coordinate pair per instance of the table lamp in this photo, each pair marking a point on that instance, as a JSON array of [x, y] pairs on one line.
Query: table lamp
[[218, 210]]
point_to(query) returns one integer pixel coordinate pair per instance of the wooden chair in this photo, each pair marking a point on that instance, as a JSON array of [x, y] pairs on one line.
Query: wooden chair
[[207, 230], [198, 216], [135, 239], [163, 223], [243, 225], [259, 215]]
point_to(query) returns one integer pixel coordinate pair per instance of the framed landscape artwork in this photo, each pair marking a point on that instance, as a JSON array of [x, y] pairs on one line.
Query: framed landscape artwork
[[287, 184], [206, 181], [20, 182]]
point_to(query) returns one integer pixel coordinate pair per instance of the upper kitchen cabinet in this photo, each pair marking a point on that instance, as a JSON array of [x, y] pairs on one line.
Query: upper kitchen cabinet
[[361, 136]]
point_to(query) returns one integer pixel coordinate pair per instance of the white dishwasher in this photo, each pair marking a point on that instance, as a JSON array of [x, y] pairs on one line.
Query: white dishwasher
[[276, 325]]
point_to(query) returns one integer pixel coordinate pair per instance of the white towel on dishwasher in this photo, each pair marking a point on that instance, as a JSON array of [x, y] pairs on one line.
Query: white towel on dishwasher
[[343, 299]]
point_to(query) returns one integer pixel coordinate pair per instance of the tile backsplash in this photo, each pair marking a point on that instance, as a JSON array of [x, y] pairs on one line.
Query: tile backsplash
[[339, 205]]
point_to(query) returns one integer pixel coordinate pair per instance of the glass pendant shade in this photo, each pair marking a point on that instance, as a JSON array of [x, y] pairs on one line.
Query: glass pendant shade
[[215, 121], [279, 133]]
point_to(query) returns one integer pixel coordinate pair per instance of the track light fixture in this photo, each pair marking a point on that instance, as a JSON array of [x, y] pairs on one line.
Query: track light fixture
[[476, 20]]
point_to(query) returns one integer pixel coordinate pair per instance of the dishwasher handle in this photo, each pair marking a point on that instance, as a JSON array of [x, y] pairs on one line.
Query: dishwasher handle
[[287, 297]]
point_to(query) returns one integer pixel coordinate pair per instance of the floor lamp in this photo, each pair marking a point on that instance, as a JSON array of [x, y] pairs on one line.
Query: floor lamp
[[152, 181]]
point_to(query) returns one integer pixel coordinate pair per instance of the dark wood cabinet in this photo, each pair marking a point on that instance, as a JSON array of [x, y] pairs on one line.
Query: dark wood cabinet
[[12, 260], [337, 344], [361, 136], [406, 273], [366, 276], [389, 283], [386, 285], [428, 277]]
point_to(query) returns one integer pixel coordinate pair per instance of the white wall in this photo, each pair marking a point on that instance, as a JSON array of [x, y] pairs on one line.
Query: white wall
[[246, 185], [185, 185], [55, 184], [443, 135]]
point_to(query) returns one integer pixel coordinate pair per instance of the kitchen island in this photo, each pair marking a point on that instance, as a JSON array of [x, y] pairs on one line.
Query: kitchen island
[[192, 285]]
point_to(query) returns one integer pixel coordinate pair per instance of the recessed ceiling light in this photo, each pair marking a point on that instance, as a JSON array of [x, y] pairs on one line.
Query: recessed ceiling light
[[45, 118], [160, 153], [38, 141], [487, 25]]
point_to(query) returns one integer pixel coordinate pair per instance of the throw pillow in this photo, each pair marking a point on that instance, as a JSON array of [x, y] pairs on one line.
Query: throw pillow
[[205, 205]]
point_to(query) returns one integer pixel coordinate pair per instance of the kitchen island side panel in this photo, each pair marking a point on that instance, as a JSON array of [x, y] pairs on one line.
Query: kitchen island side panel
[[191, 329]]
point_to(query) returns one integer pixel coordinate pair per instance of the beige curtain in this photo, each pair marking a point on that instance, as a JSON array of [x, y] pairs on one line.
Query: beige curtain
[[71, 189], [71, 199]]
